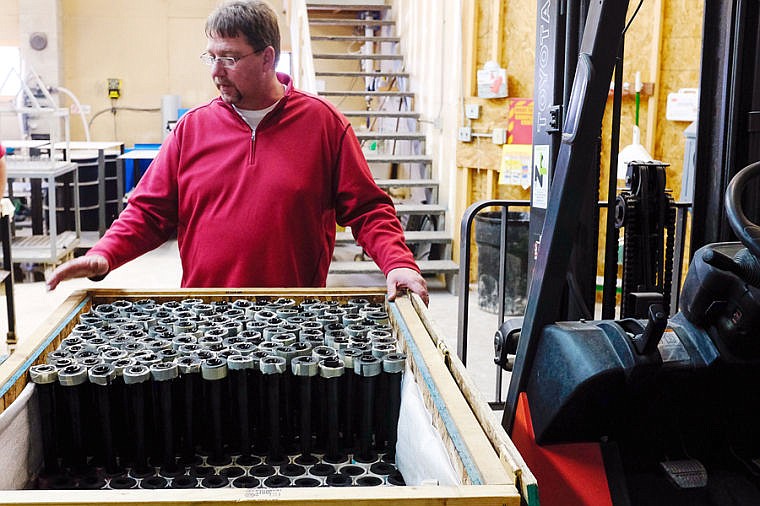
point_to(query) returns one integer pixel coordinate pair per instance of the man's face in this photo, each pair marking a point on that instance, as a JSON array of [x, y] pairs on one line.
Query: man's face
[[241, 85]]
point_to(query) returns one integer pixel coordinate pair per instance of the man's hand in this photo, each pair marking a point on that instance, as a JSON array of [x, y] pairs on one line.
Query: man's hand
[[83, 267], [406, 278]]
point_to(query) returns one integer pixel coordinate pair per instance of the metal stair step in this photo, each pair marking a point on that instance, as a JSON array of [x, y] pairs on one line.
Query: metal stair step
[[381, 114], [394, 94], [354, 38], [390, 136], [406, 183], [403, 75], [351, 22], [358, 56], [411, 236], [420, 209], [388, 158], [369, 267]]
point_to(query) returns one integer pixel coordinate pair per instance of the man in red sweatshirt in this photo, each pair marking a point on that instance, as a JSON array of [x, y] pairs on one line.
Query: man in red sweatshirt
[[254, 181]]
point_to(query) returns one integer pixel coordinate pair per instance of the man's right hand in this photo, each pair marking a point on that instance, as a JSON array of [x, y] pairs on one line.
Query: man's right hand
[[87, 266]]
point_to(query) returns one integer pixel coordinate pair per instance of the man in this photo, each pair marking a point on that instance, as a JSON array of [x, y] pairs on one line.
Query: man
[[254, 182]]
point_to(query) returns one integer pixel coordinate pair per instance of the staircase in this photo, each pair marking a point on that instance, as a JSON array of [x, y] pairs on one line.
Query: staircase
[[355, 54]]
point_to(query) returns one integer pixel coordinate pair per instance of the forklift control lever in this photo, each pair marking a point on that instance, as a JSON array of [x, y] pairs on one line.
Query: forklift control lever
[[647, 341]]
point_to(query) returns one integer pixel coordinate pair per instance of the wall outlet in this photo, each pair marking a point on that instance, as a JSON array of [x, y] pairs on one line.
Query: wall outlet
[[114, 88], [472, 111], [465, 134], [499, 136]]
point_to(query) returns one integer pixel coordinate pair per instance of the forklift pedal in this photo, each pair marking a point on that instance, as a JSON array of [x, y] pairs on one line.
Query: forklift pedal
[[686, 473]]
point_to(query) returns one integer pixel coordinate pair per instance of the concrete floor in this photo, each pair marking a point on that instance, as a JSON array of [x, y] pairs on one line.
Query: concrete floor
[[161, 269]]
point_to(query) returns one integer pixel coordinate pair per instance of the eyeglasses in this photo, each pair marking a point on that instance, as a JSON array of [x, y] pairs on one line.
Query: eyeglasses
[[227, 62]]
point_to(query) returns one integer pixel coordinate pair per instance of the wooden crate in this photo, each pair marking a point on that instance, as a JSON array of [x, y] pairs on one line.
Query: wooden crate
[[490, 468]]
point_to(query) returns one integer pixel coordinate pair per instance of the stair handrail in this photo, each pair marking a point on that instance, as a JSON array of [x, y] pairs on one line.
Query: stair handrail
[[300, 41]]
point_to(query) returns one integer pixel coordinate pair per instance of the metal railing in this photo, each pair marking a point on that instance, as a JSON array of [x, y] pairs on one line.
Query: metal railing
[[464, 271]]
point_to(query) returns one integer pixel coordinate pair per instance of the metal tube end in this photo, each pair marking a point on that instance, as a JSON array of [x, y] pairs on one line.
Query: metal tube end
[[214, 368], [42, 374], [164, 371], [72, 375], [138, 373], [102, 374], [304, 366], [394, 363]]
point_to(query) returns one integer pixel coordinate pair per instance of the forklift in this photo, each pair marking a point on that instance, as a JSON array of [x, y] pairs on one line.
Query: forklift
[[652, 408]]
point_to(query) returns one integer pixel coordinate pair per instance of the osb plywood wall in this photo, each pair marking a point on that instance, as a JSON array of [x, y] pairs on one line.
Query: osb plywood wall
[[663, 43]]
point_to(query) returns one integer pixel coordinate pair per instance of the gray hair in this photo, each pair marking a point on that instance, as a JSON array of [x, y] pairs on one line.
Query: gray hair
[[253, 19]]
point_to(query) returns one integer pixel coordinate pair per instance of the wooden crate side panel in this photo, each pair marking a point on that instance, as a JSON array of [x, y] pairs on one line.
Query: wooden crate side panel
[[34, 350], [507, 451], [483, 495], [458, 427], [102, 296]]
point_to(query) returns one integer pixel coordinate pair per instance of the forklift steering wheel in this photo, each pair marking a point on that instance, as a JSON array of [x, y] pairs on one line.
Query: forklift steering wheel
[[747, 232]]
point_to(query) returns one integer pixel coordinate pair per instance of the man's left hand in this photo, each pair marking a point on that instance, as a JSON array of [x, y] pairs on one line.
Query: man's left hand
[[410, 279]]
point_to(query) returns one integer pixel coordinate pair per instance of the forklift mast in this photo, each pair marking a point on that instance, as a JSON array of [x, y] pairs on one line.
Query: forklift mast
[[559, 26], [574, 180]]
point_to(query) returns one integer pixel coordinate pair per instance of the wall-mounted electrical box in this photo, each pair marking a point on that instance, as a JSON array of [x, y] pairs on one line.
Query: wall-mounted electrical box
[[114, 88], [472, 111], [499, 136]]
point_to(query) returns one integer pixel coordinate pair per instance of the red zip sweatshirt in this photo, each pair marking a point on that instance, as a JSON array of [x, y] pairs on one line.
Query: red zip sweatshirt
[[258, 208]]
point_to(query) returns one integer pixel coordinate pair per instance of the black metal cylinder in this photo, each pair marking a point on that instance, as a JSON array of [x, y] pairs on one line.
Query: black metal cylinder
[[368, 368], [135, 391], [348, 407], [273, 369], [258, 407], [240, 368], [393, 369], [331, 370], [189, 370], [45, 377], [213, 372], [164, 376], [101, 378], [305, 368], [288, 394], [73, 380], [122, 441]]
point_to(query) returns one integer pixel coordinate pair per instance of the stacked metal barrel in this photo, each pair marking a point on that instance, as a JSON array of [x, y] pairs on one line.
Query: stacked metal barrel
[[244, 393]]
